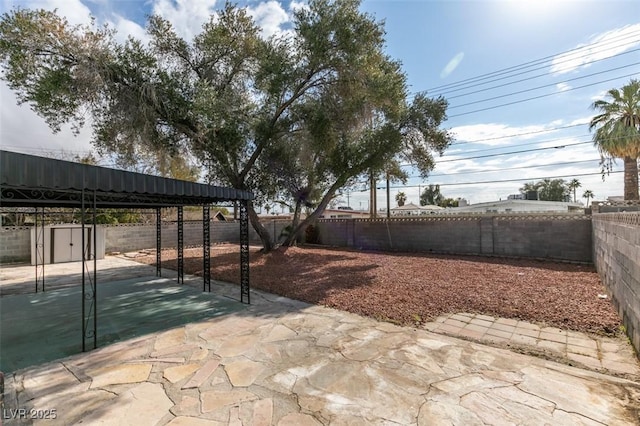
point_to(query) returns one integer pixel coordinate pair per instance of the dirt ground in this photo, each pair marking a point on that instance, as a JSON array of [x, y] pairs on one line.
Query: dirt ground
[[410, 288]]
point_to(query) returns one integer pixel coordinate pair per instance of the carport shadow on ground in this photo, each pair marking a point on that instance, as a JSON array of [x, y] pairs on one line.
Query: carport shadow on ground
[[40, 327]]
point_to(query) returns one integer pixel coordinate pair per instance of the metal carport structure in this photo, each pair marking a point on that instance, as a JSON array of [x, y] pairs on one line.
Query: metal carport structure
[[39, 183]]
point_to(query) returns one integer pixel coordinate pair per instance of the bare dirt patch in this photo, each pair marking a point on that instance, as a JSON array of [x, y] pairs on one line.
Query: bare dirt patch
[[409, 288]]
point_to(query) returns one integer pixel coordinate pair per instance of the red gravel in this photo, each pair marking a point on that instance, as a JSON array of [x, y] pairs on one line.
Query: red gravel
[[409, 288]]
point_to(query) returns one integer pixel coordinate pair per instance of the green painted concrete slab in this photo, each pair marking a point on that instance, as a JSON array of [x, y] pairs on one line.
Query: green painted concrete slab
[[37, 328]]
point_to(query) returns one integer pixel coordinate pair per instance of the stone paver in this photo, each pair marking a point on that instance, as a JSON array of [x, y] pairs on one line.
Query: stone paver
[[605, 354], [243, 373], [145, 403], [283, 362], [202, 374], [119, 374], [179, 372], [263, 412]]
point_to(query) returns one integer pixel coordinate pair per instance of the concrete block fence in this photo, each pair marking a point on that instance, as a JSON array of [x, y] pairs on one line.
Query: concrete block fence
[[616, 247], [15, 245], [557, 237], [15, 242]]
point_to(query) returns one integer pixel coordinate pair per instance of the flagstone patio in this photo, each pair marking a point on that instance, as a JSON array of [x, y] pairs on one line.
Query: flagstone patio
[[284, 362]]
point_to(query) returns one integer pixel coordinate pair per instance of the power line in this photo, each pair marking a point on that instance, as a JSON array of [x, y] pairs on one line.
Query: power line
[[522, 79], [531, 63], [499, 181], [513, 152], [523, 144], [569, 138], [503, 153], [520, 134], [540, 96], [531, 166], [543, 86]]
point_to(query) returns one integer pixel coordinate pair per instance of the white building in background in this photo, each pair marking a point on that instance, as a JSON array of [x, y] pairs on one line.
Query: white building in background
[[413, 210], [344, 213], [517, 206]]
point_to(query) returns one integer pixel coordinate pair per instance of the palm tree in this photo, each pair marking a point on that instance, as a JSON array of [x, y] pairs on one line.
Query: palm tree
[[401, 198], [618, 132], [572, 186], [588, 194]]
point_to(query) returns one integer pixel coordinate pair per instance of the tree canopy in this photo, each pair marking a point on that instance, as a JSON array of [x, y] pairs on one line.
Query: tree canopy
[[296, 116], [431, 196], [549, 189], [617, 132]]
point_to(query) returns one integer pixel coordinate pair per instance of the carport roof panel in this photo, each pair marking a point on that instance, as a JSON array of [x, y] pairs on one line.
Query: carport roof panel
[[23, 172]]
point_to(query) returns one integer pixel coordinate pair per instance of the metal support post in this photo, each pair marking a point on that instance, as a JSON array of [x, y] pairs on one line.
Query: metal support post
[[244, 253], [39, 249], [158, 242], [89, 296], [180, 245], [95, 271], [206, 247]]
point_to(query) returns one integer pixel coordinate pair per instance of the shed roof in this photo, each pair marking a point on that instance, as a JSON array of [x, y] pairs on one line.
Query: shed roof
[[27, 180]]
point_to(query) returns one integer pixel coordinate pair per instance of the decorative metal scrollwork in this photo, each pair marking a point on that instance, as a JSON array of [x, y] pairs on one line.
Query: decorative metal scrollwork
[[244, 253], [180, 245], [206, 248]]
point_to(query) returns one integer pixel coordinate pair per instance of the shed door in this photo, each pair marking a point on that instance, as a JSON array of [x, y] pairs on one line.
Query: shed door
[[67, 244]]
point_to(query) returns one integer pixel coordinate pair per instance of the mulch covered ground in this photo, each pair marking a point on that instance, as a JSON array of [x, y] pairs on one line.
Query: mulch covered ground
[[410, 288]]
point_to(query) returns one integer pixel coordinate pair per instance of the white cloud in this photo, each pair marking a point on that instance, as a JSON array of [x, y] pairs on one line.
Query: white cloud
[[497, 134], [270, 16], [186, 16], [74, 10], [452, 65], [23, 130], [562, 87], [599, 96], [581, 120], [125, 28], [600, 46], [296, 5]]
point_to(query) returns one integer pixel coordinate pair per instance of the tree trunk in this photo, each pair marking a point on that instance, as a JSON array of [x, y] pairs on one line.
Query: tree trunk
[[264, 235], [295, 232], [294, 224], [631, 178]]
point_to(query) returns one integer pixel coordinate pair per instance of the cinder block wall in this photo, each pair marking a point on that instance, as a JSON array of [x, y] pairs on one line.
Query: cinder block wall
[[15, 242], [554, 237], [441, 235], [616, 247], [124, 238], [15, 245], [558, 237]]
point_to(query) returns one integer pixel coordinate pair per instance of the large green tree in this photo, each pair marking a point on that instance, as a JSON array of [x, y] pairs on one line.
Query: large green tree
[[549, 189], [617, 132], [588, 194], [572, 186], [297, 116], [431, 196], [401, 198]]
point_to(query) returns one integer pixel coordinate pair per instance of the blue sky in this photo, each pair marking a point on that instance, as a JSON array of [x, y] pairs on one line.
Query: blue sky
[[440, 44]]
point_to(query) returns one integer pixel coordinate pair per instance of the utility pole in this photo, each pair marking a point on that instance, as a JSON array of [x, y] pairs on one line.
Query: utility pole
[[372, 197], [388, 198]]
